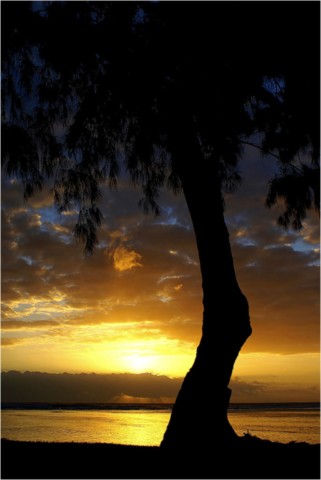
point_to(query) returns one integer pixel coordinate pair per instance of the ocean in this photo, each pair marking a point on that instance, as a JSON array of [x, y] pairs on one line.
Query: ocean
[[146, 424]]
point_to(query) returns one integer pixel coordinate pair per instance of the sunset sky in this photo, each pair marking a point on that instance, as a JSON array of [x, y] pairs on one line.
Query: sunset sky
[[136, 304]]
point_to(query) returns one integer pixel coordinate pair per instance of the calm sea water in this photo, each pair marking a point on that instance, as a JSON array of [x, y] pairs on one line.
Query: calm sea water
[[146, 426]]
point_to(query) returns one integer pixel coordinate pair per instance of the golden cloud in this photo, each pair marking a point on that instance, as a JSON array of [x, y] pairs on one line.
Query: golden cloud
[[148, 400], [10, 341], [22, 325], [125, 259]]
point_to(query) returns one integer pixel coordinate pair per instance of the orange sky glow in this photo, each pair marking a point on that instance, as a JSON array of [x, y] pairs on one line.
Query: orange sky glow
[[136, 304]]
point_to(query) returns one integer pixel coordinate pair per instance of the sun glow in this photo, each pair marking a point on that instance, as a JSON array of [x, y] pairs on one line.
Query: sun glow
[[139, 363]]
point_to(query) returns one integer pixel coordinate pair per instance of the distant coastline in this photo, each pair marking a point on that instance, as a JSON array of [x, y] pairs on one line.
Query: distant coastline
[[152, 406]]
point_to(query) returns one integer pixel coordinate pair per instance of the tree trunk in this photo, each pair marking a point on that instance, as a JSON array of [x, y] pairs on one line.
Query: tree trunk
[[200, 410]]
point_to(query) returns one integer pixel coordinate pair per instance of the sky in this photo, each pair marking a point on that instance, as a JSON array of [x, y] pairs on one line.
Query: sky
[[136, 305]]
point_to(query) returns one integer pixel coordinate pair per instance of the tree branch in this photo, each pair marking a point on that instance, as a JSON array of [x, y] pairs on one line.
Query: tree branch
[[261, 149], [270, 153]]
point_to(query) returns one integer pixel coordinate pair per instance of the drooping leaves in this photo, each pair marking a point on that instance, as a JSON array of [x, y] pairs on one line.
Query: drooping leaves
[[299, 188], [88, 86]]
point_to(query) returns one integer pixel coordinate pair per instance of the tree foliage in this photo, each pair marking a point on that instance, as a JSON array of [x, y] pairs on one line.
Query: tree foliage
[[90, 86]]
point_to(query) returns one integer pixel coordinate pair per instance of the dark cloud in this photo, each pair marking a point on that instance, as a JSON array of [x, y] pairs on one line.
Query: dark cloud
[[244, 391], [133, 388], [277, 269], [45, 276], [85, 388], [10, 342], [270, 392], [21, 324]]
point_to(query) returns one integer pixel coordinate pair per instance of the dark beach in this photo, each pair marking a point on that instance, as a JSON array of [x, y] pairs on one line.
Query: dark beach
[[250, 458]]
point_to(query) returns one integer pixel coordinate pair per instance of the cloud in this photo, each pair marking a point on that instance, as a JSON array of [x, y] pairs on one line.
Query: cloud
[[142, 400], [135, 388], [272, 392], [125, 259], [23, 325], [96, 300], [277, 269], [10, 342], [244, 391], [86, 388]]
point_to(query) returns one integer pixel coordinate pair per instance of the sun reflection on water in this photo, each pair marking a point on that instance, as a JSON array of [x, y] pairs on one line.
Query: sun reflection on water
[[147, 427], [112, 426]]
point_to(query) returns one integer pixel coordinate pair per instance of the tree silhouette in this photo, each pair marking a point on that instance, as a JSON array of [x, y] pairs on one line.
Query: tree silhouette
[[172, 91]]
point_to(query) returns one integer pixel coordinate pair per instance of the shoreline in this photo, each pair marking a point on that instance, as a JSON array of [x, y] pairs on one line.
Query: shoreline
[[250, 458]]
